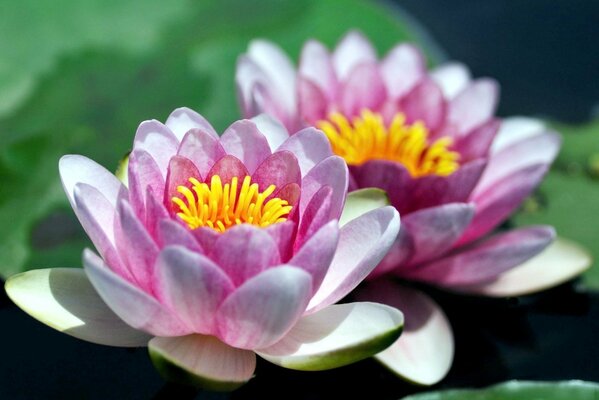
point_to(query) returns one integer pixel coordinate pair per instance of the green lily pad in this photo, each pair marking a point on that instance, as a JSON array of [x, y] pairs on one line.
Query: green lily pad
[[519, 390], [89, 73], [567, 198]]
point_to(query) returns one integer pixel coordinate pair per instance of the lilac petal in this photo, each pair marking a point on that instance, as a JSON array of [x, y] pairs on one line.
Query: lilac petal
[[515, 129], [264, 308], [315, 65], [362, 89], [132, 305], [352, 50], [183, 119], [180, 169], [473, 105], [425, 102], [424, 352], [363, 243], [79, 169], [278, 68], [390, 176], [64, 299], [227, 168], [315, 215], [244, 141], [310, 146], [452, 78], [97, 216], [476, 144], [279, 169], [144, 174], [202, 149], [485, 260], [136, 246], [206, 237], [173, 233], [203, 361], [313, 105], [272, 129], [283, 233], [497, 202], [433, 231], [316, 254], [538, 149], [244, 251], [155, 212], [402, 68], [338, 335], [330, 172], [158, 141], [559, 262], [192, 286]]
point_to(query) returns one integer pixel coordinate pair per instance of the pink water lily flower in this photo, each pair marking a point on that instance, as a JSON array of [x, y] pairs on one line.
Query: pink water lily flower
[[453, 170], [218, 249]]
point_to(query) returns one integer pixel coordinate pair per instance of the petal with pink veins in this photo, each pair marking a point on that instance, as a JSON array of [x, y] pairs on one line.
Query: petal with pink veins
[[424, 352], [363, 243], [313, 105], [227, 168], [310, 146], [183, 119], [137, 308], [264, 308], [338, 335], [425, 102], [243, 140], [158, 141], [143, 174], [474, 105], [332, 172], [362, 89], [174, 233], [279, 169], [315, 215], [201, 148], [476, 143], [64, 299], [202, 361], [402, 68]]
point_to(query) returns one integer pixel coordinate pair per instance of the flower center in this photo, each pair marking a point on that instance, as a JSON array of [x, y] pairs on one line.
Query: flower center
[[367, 138], [221, 206]]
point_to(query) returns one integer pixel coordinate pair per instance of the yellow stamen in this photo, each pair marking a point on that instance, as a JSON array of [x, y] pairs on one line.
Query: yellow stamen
[[221, 206], [367, 138]]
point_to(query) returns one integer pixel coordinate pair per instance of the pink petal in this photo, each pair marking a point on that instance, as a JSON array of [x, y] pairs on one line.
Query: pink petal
[[244, 251], [485, 260], [401, 250], [352, 50], [279, 169], [180, 169], [433, 231], [315, 215], [144, 174], [310, 146], [452, 78], [498, 202], [315, 65], [283, 233], [136, 246], [313, 105], [473, 105], [362, 89], [316, 254], [476, 143], [425, 102], [227, 168], [158, 141], [192, 286], [183, 119], [424, 352], [330, 172], [201, 148], [76, 169], [264, 308], [205, 359], [272, 129], [363, 243], [155, 212], [171, 232], [515, 129], [138, 309], [244, 141], [402, 68]]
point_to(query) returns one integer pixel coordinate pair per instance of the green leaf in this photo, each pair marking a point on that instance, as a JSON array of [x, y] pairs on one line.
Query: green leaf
[[567, 198], [80, 76], [519, 390]]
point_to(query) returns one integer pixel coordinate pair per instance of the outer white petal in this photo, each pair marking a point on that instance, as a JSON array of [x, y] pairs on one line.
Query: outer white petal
[[64, 299], [558, 263], [515, 129], [361, 201], [337, 335], [272, 129], [202, 361]]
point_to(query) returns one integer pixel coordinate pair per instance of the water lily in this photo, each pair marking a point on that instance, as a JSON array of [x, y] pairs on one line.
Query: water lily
[[454, 171], [218, 249]]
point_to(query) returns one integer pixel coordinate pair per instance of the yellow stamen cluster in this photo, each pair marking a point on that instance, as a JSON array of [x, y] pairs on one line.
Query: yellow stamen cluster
[[221, 206], [367, 138]]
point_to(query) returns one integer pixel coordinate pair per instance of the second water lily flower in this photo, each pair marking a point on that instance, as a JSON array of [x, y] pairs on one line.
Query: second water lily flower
[[453, 170], [218, 249]]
